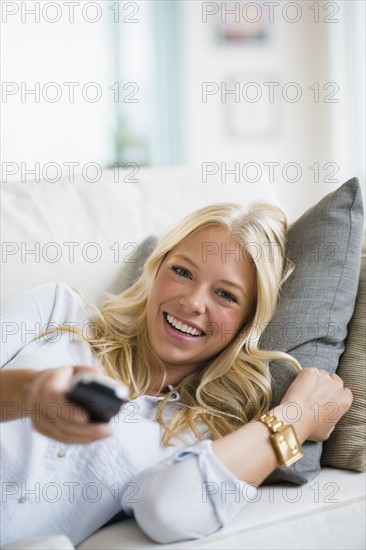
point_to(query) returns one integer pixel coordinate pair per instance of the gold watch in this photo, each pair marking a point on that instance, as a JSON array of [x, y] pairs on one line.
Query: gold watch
[[284, 440]]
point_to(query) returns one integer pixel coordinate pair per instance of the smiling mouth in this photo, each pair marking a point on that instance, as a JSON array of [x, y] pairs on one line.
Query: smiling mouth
[[182, 328]]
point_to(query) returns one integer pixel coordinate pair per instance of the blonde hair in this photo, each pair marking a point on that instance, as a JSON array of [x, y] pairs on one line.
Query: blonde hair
[[233, 388]]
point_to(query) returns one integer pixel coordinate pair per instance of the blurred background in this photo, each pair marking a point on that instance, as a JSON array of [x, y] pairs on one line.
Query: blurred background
[[279, 85]]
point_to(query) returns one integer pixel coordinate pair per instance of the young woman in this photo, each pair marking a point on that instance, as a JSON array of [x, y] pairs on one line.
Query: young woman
[[184, 339]]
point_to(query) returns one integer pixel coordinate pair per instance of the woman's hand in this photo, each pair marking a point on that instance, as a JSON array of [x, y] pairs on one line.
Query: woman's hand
[[313, 403], [52, 415], [320, 398]]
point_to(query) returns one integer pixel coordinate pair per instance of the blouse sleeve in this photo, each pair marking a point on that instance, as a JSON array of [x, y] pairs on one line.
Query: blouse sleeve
[[26, 316], [188, 496]]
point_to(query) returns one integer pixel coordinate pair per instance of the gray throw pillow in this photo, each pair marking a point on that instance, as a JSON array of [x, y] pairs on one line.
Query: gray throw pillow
[[133, 268], [317, 301]]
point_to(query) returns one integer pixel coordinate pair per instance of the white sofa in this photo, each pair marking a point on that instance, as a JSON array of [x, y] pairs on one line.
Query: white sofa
[[86, 235]]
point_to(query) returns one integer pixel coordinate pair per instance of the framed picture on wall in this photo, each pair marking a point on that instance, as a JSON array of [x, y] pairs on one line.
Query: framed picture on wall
[[248, 113], [242, 22]]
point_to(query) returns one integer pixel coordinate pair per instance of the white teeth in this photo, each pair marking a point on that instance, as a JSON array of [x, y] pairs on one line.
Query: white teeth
[[183, 327]]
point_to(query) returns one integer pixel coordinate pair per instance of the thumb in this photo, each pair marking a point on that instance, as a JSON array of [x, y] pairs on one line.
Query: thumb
[[60, 378], [70, 371], [83, 368]]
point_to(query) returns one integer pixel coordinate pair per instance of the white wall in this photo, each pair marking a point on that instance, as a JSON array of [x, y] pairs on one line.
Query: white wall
[[306, 132], [326, 136], [43, 52]]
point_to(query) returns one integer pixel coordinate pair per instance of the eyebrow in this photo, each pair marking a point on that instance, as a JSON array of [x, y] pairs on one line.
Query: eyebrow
[[224, 281]]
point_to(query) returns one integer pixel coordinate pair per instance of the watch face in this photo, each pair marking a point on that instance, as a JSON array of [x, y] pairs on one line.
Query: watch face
[[287, 447]]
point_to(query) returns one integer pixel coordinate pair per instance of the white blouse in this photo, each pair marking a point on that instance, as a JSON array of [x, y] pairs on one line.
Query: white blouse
[[48, 488]]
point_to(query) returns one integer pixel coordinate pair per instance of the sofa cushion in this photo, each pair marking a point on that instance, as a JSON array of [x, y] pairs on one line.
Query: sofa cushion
[[328, 514], [317, 301], [346, 447], [59, 542]]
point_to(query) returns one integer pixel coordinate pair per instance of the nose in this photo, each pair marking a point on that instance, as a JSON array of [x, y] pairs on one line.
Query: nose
[[194, 300]]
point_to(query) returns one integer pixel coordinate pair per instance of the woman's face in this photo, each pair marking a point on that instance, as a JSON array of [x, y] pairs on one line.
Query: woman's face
[[200, 299]]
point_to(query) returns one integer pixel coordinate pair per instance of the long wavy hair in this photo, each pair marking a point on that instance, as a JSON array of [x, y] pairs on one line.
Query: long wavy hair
[[234, 387]]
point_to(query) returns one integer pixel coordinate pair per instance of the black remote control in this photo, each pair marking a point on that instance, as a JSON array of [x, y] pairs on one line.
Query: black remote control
[[100, 397]]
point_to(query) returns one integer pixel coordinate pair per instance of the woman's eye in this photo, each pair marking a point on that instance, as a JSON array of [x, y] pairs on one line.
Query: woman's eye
[[226, 296], [181, 271]]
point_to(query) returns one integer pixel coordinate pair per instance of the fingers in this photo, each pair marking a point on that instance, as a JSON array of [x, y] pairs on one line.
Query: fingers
[[59, 379], [76, 435], [348, 395], [79, 416], [72, 426], [337, 378], [334, 376], [82, 368], [84, 433], [70, 423], [322, 399]]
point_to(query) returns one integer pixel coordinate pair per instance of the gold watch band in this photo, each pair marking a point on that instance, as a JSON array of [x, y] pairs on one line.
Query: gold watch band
[[273, 423], [284, 440]]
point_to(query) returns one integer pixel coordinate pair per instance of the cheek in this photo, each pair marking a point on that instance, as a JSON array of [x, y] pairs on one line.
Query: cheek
[[230, 320], [159, 292]]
